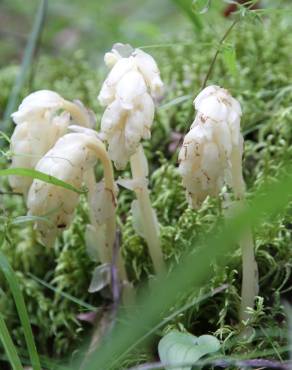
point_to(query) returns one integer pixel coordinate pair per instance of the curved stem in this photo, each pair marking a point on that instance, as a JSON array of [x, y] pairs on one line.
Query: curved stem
[[249, 287], [150, 229], [78, 114], [110, 224]]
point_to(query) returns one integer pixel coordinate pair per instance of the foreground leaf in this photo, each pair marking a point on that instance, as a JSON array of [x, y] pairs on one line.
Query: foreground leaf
[[40, 176], [21, 309], [9, 347], [177, 348]]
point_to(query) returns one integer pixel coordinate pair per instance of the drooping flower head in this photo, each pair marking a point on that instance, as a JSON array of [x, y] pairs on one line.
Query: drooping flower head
[[212, 146], [69, 160], [42, 118], [128, 93]]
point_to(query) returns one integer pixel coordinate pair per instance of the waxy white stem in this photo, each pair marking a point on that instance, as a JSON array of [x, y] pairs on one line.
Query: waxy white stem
[[106, 255], [79, 116], [150, 230], [249, 285]]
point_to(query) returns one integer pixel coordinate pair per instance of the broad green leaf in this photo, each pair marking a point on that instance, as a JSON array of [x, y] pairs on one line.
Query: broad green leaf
[[9, 347], [21, 309], [177, 348], [40, 176]]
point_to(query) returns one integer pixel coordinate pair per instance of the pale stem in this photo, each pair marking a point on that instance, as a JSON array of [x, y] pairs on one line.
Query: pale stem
[[110, 223], [150, 229], [78, 114], [249, 287]]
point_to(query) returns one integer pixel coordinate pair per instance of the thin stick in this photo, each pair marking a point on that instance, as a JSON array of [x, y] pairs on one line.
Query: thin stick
[[210, 70], [138, 161]]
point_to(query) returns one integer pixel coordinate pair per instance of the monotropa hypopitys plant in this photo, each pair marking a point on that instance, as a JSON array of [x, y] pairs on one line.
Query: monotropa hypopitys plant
[[129, 93], [41, 119], [41, 142], [211, 156]]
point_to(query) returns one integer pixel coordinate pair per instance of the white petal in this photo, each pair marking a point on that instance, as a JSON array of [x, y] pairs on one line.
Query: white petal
[[111, 58], [130, 88], [146, 105], [209, 90], [117, 149], [108, 90], [148, 67], [211, 107], [112, 117], [37, 102], [134, 130]]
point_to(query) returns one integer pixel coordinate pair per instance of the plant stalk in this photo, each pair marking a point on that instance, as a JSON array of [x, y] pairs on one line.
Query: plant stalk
[[140, 171], [80, 116], [107, 253], [249, 286]]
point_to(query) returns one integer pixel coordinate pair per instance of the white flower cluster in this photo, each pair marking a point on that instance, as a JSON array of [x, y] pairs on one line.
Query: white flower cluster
[[42, 118], [69, 160], [128, 93], [206, 155]]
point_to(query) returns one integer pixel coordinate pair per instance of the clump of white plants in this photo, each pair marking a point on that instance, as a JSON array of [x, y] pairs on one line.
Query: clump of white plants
[[41, 142], [211, 156], [129, 93], [42, 118]]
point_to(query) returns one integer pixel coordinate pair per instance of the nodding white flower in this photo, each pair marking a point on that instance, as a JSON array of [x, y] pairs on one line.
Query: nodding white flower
[[42, 118], [210, 147], [128, 93], [69, 160]]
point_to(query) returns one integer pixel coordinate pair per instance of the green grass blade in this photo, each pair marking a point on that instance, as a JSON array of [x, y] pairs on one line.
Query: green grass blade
[[186, 7], [26, 62], [71, 298], [21, 309], [9, 347], [191, 273], [40, 176]]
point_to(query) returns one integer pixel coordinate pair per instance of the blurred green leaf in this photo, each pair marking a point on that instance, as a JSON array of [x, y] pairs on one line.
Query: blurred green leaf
[[75, 300], [177, 348], [190, 273], [201, 6], [25, 219], [26, 62], [21, 309], [40, 176], [9, 347], [229, 59], [186, 7]]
